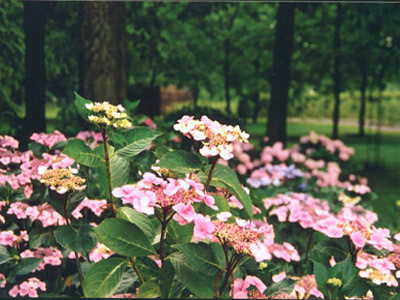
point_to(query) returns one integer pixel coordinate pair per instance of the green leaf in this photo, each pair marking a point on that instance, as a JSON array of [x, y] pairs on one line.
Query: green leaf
[[197, 283], [4, 255], [82, 154], [324, 250], [26, 265], [78, 237], [221, 203], [180, 234], [353, 285], [321, 276], [176, 289], [149, 289], [148, 268], [74, 199], [127, 281], [139, 139], [120, 168], [226, 178], [39, 239], [100, 150], [80, 106], [161, 151], [103, 278], [139, 219], [124, 238], [284, 286], [206, 258], [180, 161]]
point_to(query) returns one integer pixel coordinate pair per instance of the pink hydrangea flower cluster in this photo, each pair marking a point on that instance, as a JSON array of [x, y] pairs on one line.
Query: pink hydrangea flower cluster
[[313, 213], [217, 139], [44, 213], [149, 123], [240, 287], [51, 256], [96, 206], [306, 287], [330, 177], [19, 169], [9, 238], [99, 252], [28, 288], [8, 141], [344, 152], [378, 270], [238, 238], [175, 194], [92, 138], [273, 175], [48, 139]]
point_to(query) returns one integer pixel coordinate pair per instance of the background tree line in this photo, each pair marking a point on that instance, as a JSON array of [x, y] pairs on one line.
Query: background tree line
[[263, 54]]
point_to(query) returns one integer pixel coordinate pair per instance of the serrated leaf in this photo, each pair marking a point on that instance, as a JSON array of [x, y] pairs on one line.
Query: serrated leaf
[[176, 290], [284, 286], [321, 276], [124, 238], [80, 103], [26, 265], [74, 199], [149, 289], [196, 282], [139, 219], [127, 280], [148, 268], [78, 237], [39, 239], [206, 258], [119, 171], [180, 161], [103, 278], [139, 139], [82, 154], [4, 255]]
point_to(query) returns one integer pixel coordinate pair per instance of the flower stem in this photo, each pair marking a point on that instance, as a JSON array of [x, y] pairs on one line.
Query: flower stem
[[207, 185], [308, 247], [107, 163], [164, 223], [135, 268], [214, 162], [78, 265]]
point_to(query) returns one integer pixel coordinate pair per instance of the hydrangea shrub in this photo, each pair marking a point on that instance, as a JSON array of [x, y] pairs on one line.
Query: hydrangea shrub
[[123, 212]]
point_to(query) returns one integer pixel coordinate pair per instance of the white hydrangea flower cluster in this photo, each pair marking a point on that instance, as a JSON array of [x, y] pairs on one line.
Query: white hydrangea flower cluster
[[217, 139], [108, 114]]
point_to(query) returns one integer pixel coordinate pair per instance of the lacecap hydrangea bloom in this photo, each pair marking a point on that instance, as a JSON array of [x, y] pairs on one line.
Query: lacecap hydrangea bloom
[[217, 139], [62, 180], [107, 114]]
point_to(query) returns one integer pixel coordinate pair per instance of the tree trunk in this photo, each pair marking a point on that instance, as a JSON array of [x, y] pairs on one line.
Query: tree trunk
[[280, 79], [104, 51], [35, 72], [361, 120], [227, 49], [336, 71]]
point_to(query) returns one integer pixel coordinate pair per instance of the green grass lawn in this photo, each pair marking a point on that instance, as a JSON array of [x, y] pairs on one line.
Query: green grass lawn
[[383, 174]]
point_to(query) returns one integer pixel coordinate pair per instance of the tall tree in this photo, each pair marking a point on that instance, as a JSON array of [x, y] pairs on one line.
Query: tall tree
[[336, 70], [104, 51], [280, 78], [35, 72]]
